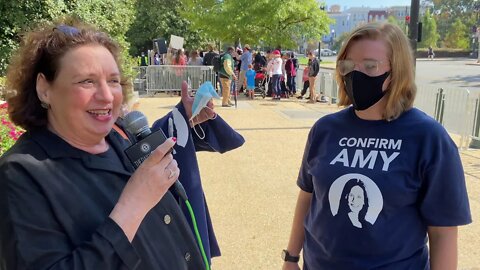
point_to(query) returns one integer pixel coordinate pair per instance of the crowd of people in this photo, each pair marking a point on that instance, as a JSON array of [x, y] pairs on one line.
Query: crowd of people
[[279, 68], [381, 183]]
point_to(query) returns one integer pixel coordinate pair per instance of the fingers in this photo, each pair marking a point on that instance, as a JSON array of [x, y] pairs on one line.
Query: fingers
[[210, 104], [172, 170], [185, 90], [160, 152]]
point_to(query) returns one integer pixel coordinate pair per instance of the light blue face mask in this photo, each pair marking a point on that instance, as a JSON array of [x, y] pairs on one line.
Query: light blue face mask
[[203, 95]]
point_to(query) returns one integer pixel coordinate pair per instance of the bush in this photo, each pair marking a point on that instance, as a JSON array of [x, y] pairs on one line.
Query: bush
[[9, 133], [443, 52], [2, 88]]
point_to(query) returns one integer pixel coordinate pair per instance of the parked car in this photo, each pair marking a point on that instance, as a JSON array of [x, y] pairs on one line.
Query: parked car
[[327, 52]]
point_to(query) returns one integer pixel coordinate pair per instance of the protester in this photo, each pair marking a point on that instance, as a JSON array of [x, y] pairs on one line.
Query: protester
[[207, 59], [245, 61], [143, 60], [431, 54], [306, 83], [395, 170], [179, 61], [226, 75], [291, 74], [295, 65], [274, 69], [313, 69], [70, 197], [195, 59], [156, 59], [250, 74]]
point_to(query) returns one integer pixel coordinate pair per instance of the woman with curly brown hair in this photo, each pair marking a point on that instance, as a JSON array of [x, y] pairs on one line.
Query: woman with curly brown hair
[[69, 198]]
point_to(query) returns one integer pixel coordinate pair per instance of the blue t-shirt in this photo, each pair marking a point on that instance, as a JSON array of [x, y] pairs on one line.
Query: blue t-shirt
[[250, 78], [376, 187], [246, 59]]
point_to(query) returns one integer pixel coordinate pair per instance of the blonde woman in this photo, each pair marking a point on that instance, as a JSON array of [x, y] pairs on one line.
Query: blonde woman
[[409, 185]]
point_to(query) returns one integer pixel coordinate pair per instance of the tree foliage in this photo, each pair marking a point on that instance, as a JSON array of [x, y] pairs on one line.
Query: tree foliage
[[401, 24], [429, 31], [274, 23], [160, 19], [446, 12], [456, 36], [17, 16], [112, 16]]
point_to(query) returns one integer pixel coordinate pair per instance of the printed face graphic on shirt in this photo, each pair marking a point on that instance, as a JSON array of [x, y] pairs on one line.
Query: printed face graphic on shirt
[[357, 197]]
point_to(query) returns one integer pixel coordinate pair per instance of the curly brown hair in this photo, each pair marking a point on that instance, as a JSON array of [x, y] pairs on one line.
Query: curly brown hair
[[40, 52]]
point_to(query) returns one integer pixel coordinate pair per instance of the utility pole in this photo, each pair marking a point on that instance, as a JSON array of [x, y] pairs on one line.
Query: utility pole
[[477, 9], [413, 33]]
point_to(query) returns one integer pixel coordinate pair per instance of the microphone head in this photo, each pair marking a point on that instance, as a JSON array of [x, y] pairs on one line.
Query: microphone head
[[136, 123]]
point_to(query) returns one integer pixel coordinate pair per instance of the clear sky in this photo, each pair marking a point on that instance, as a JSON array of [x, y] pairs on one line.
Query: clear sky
[[368, 3]]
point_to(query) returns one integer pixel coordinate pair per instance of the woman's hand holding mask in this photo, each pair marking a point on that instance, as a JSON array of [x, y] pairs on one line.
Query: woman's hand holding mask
[[204, 115]]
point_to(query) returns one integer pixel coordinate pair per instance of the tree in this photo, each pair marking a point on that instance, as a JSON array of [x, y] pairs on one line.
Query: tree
[[160, 19], [429, 31], [401, 24], [274, 23], [113, 16], [18, 16], [446, 12], [457, 36]]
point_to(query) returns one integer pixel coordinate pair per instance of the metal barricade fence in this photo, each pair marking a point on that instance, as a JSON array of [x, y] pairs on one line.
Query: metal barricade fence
[[139, 79], [325, 84], [451, 107], [166, 78], [474, 108], [454, 108]]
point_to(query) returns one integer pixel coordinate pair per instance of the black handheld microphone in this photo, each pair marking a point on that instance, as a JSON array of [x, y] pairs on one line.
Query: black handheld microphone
[[136, 123]]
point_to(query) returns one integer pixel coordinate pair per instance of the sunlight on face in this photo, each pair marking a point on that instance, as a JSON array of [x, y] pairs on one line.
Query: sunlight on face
[[86, 95], [369, 50], [356, 199]]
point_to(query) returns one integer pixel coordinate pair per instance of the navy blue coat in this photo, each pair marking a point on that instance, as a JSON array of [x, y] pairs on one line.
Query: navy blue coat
[[219, 137]]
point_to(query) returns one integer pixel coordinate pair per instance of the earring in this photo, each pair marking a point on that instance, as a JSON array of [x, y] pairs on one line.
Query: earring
[[45, 105]]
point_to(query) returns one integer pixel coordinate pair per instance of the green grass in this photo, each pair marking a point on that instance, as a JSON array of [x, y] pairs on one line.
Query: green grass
[[302, 60]]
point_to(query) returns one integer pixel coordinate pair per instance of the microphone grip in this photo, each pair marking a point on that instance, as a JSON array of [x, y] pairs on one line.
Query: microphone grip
[[142, 149], [180, 190]]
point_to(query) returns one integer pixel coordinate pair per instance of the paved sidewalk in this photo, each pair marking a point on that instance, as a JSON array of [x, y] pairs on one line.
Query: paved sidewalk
[[251, 191]]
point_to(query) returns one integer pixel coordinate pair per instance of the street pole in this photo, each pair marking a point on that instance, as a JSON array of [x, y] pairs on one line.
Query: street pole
[[476, 7], [413, 33], [319, 49], [478, 51]]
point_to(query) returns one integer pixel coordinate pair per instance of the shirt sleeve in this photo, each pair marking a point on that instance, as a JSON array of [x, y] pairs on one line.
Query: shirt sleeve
[[227, 65], [444, 198], [304, 180], [34, 238]]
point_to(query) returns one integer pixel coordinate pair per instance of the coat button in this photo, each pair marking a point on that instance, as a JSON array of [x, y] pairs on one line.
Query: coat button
[[187, 257], [167, 219]]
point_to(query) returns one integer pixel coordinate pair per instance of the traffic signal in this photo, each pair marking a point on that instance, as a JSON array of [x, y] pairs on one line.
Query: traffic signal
[[407, 19]]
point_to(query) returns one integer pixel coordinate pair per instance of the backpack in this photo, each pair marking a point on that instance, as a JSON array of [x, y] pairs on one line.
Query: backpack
[[295, 63], [217, 62]]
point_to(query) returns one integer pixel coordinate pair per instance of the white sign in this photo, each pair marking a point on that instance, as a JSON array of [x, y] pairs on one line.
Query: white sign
[[176, 42]]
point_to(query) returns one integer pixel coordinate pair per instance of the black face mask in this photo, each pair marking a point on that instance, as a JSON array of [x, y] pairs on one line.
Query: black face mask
[[363, 90]]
